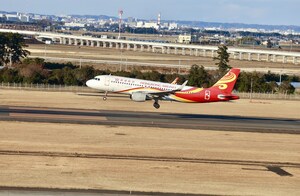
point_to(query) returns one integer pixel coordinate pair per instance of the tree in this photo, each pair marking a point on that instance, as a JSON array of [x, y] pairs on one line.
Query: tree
[[198, 76], [223, 60], [11, 48], [286, 87], [269, 44]]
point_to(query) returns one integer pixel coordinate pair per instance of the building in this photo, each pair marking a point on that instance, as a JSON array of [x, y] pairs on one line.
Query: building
[[151, 25], [74, 24], [173, 26], [12, 17], [184, 39]]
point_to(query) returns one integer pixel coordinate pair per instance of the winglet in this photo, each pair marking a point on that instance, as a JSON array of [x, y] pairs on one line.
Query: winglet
[[182, 86]]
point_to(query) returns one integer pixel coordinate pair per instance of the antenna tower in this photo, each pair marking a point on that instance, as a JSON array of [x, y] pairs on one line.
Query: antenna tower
[[120, 22]]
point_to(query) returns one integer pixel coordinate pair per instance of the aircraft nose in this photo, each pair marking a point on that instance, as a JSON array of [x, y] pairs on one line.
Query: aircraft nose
[[89, 83]]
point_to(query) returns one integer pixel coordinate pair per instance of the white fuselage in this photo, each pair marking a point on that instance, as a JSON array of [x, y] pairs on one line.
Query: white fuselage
[[125, 85]]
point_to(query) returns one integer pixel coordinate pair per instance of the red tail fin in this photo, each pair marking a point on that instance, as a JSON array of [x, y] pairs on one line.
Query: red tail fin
[[227, 82]]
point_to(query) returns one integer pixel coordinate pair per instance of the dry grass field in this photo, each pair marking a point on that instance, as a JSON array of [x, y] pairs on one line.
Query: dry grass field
[[135, 175], [146, 57], [242, 107], [228, 163]]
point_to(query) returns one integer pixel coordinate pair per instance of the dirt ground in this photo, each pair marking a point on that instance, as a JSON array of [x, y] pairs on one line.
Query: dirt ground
[[134, 175], [146, 57], [221, 154]]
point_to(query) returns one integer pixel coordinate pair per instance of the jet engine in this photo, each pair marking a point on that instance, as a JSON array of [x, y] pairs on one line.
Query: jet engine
[[138, 96]]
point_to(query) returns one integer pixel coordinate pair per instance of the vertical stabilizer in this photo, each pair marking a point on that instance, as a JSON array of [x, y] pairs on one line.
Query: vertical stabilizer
[[227, 82]]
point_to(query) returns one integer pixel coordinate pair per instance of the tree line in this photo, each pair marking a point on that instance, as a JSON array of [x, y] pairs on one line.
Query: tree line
[[38, 71]]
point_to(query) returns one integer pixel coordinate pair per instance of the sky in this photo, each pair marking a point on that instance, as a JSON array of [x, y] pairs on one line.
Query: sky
[[273, 12]]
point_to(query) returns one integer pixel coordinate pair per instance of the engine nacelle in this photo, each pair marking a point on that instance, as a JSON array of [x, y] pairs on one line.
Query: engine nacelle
[[138, 97]]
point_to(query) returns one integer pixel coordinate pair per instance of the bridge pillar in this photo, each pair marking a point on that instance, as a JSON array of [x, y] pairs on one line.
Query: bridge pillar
[[117, 45], [142, 48], [110, 44], [134, 47], [212, 53], [274, 58], [149, 48], [168, 50], [70, 41], [183, 51], [258, 57], [196, 52], [241, 56], [104, 44], [128, 46], [249, 57], [234, 55], [75, 42], [175, 51], [294, 60], [98, 44], [61, 40], [267, 57], [204, 53], [191, 52], [92, 43], [64, 41], [153, 49], [284, 59]]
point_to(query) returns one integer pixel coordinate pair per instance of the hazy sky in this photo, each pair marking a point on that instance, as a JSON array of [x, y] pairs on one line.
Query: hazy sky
[[284, 12]]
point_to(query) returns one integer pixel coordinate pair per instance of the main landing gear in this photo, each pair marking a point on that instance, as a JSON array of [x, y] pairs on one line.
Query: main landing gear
[[105, 96], [156, 104]]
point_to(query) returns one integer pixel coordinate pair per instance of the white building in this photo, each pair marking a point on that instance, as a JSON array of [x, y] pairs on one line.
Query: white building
[[74, 24], [184, 39], [140, 24], [151, 25], [24, 18], [173, 26], [12, 17]]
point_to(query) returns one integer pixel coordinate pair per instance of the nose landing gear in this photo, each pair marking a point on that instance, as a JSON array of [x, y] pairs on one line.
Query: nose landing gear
[[105, 96]]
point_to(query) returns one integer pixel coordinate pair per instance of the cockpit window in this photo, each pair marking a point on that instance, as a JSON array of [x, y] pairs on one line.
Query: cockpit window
[[98, 79]]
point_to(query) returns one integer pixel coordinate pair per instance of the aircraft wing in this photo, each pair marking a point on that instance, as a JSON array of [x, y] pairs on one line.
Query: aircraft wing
[[163, 93]]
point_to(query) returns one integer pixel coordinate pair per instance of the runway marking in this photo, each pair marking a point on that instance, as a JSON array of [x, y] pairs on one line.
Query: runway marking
[[57, 116], [54, 109]]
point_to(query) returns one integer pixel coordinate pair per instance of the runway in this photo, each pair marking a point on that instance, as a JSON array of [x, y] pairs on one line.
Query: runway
[[150, 119]]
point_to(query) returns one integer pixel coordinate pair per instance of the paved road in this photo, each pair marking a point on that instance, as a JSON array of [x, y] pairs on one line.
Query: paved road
[[15, 191], [150, 119]]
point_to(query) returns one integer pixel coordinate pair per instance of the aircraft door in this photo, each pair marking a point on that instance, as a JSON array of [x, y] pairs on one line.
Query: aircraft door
[[107, 80]]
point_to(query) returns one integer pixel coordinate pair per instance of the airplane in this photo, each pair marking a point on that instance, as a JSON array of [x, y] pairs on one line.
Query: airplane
[[143, 90]]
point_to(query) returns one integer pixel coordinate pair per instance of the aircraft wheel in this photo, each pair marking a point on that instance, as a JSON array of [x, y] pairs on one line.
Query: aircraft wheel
[[156, 105], [104, 98]]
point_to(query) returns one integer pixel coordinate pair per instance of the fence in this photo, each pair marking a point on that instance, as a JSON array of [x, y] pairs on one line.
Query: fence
[[268, 96], [77, 89], [45, 87]]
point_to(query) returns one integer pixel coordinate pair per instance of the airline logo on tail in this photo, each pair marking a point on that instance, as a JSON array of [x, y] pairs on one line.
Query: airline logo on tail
[[227, 82]]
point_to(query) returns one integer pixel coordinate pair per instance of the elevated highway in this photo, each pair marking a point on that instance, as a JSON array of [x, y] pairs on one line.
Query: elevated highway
[[165, 48]]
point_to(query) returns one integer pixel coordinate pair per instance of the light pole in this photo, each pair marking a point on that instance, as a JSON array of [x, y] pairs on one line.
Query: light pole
[[251, 89], [10, 59], [80, 62]]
